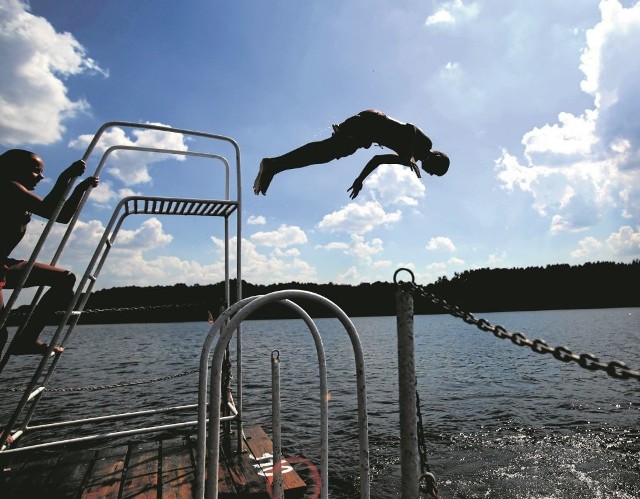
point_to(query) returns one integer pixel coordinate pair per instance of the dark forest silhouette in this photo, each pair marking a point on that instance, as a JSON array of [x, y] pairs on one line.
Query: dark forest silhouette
[[554, 287]]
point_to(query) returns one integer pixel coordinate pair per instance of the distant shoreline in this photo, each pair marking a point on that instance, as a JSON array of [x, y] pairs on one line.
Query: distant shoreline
[[554, 287]]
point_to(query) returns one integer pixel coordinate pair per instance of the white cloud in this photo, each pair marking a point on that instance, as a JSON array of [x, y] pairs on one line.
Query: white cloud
[[574, 135], [625, 242], [128, 262], [382, 264], [286, 235], [286, 253], [136, 269], [394, 184], [496, 260], [350, 276], [149, 235], [587, 248], [358, 248], [335, 245], [441, 243], [579, 169], [454, 261], [452, 12], [358, 218], [81, 244], [256, 220], [36, 63], [132, 167], [276, 267]]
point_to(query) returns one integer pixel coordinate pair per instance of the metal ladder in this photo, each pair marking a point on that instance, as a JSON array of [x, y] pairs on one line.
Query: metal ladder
[[130, 205]]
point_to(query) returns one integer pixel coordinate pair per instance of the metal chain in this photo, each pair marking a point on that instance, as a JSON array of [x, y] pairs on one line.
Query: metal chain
[[615, 368], [95, 388], [143, 307], [429, 478], [16, 313]]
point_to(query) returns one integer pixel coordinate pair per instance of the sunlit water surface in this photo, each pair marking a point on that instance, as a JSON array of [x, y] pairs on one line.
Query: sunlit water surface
[[500, 420]]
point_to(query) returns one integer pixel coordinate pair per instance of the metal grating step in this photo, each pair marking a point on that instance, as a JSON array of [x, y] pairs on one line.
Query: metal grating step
[[170, 206]]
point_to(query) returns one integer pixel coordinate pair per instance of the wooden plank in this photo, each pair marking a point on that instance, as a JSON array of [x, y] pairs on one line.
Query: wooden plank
[[67, 476], [226, 485], [261, 458], [140, 470], [106, 476], [29, 479], [141, 473], [178, 470], [246, 480]]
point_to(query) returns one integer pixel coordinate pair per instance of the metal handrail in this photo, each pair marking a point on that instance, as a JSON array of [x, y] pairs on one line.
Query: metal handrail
[[225, 325], [34, 397]]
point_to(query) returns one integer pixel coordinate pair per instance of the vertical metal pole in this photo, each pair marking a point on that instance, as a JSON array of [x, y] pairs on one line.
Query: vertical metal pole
[[409, 456], [278, 490]]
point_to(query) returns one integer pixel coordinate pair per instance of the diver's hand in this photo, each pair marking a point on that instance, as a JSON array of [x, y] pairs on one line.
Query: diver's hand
[[415, 169], [355, 188]]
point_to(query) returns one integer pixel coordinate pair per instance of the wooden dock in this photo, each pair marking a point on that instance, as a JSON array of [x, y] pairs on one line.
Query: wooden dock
[[162, 468]]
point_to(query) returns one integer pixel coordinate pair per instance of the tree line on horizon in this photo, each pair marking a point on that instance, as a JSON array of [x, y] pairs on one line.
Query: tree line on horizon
[[553, 287]]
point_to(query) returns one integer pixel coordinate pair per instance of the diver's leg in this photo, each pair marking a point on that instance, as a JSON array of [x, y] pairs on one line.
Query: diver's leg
[[4, 334], [60, 293], [313, 153]]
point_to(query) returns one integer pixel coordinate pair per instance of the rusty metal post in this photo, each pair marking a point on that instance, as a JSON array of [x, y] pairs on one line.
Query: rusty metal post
[[409, 456]]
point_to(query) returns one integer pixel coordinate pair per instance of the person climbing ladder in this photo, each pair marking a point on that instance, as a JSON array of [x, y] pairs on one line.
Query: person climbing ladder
[[20, 172]]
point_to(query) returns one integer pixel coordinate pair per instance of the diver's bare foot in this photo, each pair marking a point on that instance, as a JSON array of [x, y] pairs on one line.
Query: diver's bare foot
[[263, 179], [37, 348], [9, 439]]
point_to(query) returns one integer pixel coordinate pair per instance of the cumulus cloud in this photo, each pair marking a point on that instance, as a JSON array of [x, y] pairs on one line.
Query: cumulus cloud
[[392, 184], [495, 260], [625, 244], [358, 248], [105, 194], [454, 261], [441, 243], [453, 12], [256, 220], [149, 235], [276, 267], [351, 275], [587, 248], [132, 167], [584, 166], [129, 262], [36, 63], [358, 218], [285, 235]]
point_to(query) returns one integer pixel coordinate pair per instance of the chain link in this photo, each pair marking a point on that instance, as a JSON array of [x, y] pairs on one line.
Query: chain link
[[19, 313], [615, 368], [429, 479], [145, 307], [95, 388]]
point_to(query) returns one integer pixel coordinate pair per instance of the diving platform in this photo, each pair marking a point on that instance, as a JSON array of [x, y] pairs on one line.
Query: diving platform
[[160, 468]]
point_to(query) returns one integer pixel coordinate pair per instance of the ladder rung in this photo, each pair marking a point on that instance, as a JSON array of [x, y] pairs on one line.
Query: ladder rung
[[35, 392]]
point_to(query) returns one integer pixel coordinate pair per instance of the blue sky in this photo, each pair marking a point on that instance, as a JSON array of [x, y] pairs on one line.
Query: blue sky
[[536, 103]]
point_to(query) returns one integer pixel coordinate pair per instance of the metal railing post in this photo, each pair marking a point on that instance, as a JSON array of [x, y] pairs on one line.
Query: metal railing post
[[278, 491], [409, 456]]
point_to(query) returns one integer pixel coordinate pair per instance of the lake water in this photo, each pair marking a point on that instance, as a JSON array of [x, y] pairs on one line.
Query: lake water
[[500, 420]]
